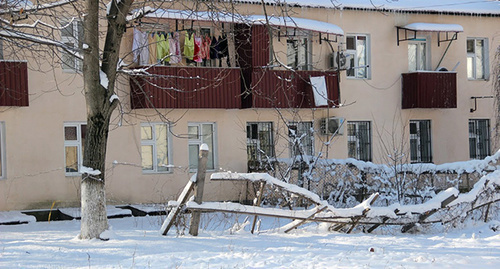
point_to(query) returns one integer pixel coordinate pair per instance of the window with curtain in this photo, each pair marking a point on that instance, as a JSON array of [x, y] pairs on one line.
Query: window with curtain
[[201, 133], [357, 48], [417, 55], [155, 147], [477, 65], [74, 141]]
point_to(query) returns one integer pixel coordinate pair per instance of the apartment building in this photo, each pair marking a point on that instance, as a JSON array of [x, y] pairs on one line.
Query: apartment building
[[341, 79]]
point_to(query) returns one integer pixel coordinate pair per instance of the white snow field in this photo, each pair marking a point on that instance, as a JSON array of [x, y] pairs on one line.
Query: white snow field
[[135, 242]]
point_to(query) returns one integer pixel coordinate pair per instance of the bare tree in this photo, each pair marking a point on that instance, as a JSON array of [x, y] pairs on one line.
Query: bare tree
[[99, 75]]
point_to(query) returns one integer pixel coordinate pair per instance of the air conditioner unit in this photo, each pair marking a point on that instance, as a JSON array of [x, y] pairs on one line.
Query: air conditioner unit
[[334, 125], [340, 61]]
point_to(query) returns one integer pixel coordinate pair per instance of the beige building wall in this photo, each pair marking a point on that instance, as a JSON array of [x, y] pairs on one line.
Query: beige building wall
[[34, 135]]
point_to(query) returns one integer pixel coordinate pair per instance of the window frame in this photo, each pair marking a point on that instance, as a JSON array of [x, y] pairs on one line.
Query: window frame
[[78, 143], [300, 128], [420, 143], [419, 41], [77, 29], [3, 161], [199, 141], [299, 38], [352, 54], [257, 141], [479, 139], [152, 142], [361, 146], [485, 61]]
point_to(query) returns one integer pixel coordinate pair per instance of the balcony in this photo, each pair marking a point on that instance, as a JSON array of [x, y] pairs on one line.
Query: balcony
[[186, 87], [429, 90], [14, 83], [290, 89]]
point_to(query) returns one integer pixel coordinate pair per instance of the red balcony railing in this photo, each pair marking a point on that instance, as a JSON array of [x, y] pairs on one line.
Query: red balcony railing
[[290, 89], [186, 87], [429, 90], [14, 83]]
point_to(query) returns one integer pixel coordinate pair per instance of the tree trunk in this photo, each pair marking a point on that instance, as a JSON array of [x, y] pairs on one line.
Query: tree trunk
[[100, 106]]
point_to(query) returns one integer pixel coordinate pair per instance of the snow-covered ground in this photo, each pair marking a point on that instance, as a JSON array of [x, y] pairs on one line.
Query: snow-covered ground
[[135, 242]]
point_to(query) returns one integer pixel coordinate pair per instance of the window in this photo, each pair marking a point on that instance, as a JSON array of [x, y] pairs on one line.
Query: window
[[417, 55], [298, 50], [201, 133], [357, 53], [260, 143], [359, 140], [420, 141], [155, 147], [74, 140], [479, 138], [2, 149], [301, 138], [477, 53], [72, 36]]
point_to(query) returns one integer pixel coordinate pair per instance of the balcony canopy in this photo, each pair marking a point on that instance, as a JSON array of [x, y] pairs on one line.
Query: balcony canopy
[[410, 31], [289, 22]]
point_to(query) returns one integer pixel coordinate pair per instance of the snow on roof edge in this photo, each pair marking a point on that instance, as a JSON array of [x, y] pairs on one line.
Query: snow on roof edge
[[291, 22], [434, 27]]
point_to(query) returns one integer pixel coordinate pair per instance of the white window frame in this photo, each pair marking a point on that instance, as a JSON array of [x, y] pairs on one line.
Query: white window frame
[[352, 55], [198, 140], [3, 172], [419, 41], [301, 41], [152, 142], [473, 55], [76, 64], [74, 143], [480, 139], [354, 135], [303, 133]]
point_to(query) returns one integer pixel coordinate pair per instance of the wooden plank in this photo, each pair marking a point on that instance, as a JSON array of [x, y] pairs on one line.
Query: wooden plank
[[429, 213], [167, 224], [199, 187], [304, 220], [257, 203]]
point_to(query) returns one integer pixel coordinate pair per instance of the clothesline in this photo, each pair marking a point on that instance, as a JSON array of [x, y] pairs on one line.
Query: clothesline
[[153, 47]]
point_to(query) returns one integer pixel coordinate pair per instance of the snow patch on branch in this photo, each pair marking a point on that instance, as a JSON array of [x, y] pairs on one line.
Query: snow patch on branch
[[89, 171], [113, 97], [104, 79]]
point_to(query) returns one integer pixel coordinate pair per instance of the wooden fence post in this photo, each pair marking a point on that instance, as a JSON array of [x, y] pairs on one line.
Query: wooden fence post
[[198, 189]]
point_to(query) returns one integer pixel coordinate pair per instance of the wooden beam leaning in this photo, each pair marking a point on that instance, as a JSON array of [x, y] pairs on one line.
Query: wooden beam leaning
[[306, 219], [167, 224], [257, 202]]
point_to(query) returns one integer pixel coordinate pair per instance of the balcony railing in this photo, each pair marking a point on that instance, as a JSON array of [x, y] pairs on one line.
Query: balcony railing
[[290, 89], [429, 90], [186, 87], [14, 83]]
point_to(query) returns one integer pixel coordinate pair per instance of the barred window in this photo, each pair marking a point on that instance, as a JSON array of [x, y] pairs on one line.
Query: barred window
[[260, 143], [359, 140], [479, 138], [301, 138], [420, 141]]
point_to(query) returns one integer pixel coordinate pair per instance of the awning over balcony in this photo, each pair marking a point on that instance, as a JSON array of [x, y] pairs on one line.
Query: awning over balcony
[[290, 22], [410, 31]]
